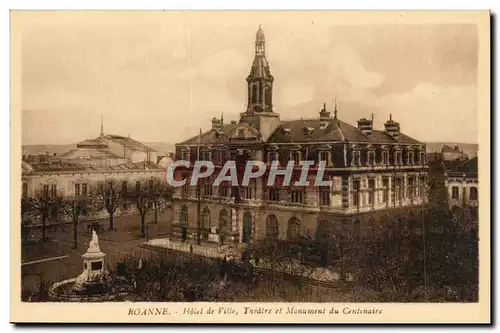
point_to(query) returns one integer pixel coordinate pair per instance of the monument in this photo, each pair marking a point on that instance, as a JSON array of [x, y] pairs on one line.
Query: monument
[[93, 266]]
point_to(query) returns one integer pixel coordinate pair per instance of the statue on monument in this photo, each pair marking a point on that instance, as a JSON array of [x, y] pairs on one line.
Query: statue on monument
[[94, 243]]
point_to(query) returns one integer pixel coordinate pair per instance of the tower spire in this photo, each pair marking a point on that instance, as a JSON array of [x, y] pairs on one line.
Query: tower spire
[[335, 107], [260, 42], [102, 125], [260, 80]]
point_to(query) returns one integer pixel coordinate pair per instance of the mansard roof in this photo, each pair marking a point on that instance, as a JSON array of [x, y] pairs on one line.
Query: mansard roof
[[221, 135], [336, 130], [61, 166]]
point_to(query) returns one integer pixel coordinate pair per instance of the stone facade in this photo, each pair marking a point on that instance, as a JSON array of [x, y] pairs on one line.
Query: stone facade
[[374, 173]]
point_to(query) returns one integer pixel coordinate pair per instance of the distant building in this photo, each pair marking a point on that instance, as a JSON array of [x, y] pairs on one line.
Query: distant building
[[452, 153], [447, 152], [93, 162], [461, 180]]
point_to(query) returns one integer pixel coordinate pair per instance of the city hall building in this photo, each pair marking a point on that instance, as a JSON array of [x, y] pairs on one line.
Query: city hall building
[[374, 173]]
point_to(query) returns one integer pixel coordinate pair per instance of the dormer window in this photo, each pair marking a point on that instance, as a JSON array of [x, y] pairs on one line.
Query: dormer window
[[399, 157], [422, 158], [287, 131], [385, 158], [323, 125], [185, 154], [411, 160], [272, 156], [241, 133], [223, 157], [308, 130], [356, 157], [295, 157], [323, 156], [206, 155], [371, 158]]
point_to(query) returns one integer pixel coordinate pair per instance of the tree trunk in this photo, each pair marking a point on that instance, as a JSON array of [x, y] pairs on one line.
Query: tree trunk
[[26, 234], [143, 225], [75, 231], [111, 222], [44, 227]]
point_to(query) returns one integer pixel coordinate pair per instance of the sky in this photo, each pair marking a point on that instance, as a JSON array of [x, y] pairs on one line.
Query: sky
[[160, 76]]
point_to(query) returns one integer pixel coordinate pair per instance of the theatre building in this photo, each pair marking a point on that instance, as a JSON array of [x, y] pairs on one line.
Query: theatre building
[[375, 173]]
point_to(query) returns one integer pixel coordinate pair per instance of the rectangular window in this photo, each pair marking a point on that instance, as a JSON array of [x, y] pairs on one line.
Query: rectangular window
[[297, 196], [385, 195], [241, 133], [77, 189], [207, 188], [101, 188], [399, 189], [45, 191], [271, 156], [473, 193], [294, 156], [324, 196], [274, 194], [185, 187], [454, 192], [138, 185], [371, 192], [124, 187], [411, 187], [53, 191], [356, 193], [323, 156], [246, 191], [151, 183], [84, 189], [421, 186], [223, 157], [223, 191], [25, 190]]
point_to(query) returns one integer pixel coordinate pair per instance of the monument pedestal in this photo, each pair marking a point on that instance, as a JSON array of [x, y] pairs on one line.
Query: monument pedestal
[[93, 265]]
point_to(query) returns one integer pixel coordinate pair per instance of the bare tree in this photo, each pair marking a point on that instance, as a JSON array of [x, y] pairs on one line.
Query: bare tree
[[110, 197], [46, 206], [76, 207], [161, 194], [144, 198]]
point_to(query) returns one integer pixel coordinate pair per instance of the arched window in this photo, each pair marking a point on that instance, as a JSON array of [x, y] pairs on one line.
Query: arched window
[[272, 227], [223, 220], [293, 228], [205, 218], [183, 217]]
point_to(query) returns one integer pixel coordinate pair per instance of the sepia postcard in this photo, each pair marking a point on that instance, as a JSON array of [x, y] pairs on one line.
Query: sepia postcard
[[250, 166]]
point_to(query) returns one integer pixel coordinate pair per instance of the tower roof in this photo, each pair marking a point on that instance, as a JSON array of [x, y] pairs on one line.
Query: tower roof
[[259, 37]]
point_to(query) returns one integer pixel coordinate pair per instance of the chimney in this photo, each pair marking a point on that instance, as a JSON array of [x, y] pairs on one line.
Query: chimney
[[216, 123], [324, 117], [233, 122], [366, 126], [456, 148], [392, 128]]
